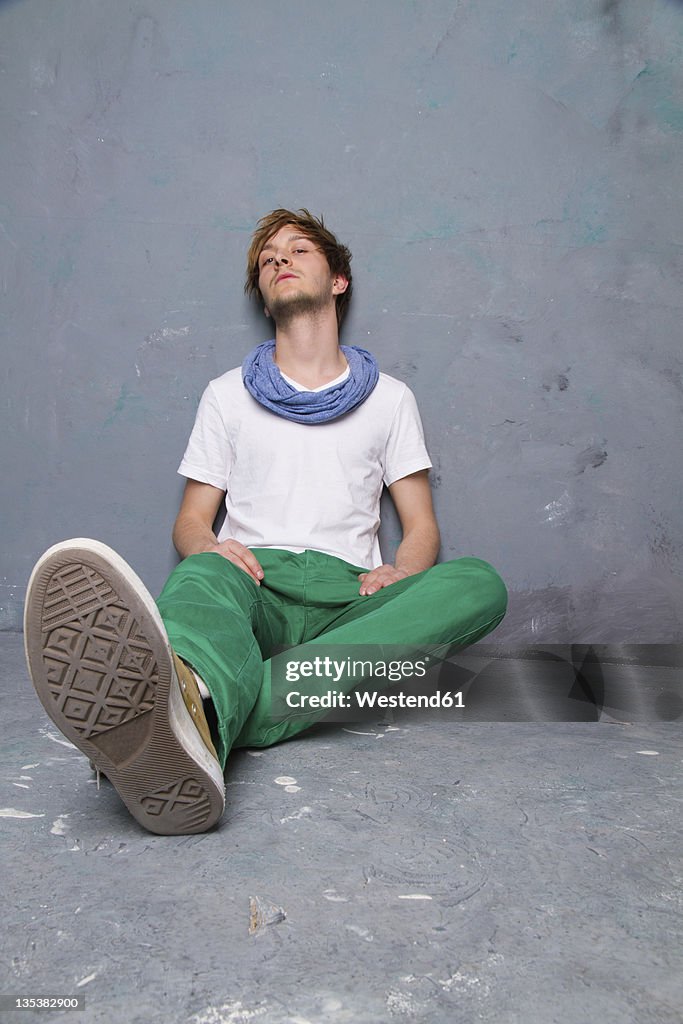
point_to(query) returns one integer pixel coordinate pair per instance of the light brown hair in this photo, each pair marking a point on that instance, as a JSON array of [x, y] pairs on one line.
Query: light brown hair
[[337, 255]]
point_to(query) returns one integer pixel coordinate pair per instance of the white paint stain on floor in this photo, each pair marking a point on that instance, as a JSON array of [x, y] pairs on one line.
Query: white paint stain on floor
[[87, 979], [55, 737], [288, 783], [334, 897], [303, 812], [228, 1013], [12, 812]]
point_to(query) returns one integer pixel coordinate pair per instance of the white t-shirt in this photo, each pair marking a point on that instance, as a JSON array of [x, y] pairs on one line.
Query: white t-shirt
[[304, 486]]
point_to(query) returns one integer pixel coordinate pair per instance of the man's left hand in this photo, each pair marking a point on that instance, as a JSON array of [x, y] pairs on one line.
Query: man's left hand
[[382, 576]]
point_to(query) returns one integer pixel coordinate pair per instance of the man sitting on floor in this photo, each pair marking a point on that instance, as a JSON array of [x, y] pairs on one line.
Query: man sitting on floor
[[297, 444]]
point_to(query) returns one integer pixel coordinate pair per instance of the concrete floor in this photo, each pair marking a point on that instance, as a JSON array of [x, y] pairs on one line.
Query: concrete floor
[[428, 870]]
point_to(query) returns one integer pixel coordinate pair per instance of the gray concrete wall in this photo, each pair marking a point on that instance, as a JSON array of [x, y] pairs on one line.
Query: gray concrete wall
[[508, 176]]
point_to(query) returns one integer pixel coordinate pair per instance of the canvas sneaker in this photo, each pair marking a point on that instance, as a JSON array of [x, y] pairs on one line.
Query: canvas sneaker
[[104, 671]]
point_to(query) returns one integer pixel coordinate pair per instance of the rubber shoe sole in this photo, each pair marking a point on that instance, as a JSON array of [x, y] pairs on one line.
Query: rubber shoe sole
[[102, 666]]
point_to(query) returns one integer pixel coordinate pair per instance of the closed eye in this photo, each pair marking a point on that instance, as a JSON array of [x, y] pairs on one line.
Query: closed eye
[[268, 260]]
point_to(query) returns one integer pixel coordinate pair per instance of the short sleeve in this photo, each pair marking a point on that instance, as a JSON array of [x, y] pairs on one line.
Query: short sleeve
[[208, 456], [405, 451]]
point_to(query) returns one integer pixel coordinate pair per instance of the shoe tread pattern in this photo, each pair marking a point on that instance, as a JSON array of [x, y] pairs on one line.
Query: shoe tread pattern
[[100, 670], [185, 800], [97, 670]]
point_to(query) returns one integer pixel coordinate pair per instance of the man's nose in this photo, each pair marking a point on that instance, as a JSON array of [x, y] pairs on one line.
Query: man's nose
[[280, 259]]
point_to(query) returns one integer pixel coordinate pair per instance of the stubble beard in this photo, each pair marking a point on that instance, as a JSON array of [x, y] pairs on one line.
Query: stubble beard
[[285, 309]]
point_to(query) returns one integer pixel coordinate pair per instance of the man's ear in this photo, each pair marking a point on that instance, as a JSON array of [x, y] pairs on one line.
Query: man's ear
[[339, 284], [267, 312]]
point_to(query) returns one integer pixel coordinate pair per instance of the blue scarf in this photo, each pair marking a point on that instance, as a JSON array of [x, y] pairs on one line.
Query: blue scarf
[[263, 380]]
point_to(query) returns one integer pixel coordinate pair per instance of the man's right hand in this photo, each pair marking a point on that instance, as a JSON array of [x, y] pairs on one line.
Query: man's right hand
[[240, 556], [193, 530]]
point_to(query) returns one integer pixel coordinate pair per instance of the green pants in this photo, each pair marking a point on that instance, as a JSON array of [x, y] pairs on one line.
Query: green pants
[[227, 627]]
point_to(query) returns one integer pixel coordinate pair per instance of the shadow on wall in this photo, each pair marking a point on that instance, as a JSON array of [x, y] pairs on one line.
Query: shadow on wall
[[568, 683]]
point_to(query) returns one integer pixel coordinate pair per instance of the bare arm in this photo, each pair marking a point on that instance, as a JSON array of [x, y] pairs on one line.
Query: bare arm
[[417, 551], [193, 529]]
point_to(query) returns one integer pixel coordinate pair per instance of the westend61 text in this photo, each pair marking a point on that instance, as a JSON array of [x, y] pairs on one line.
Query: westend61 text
[[373, 699]]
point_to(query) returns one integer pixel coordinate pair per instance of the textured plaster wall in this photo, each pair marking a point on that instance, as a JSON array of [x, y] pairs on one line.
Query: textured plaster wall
[[509, 178]]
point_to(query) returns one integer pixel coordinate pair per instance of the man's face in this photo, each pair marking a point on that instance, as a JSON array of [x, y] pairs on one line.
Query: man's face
[[294, 276]]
